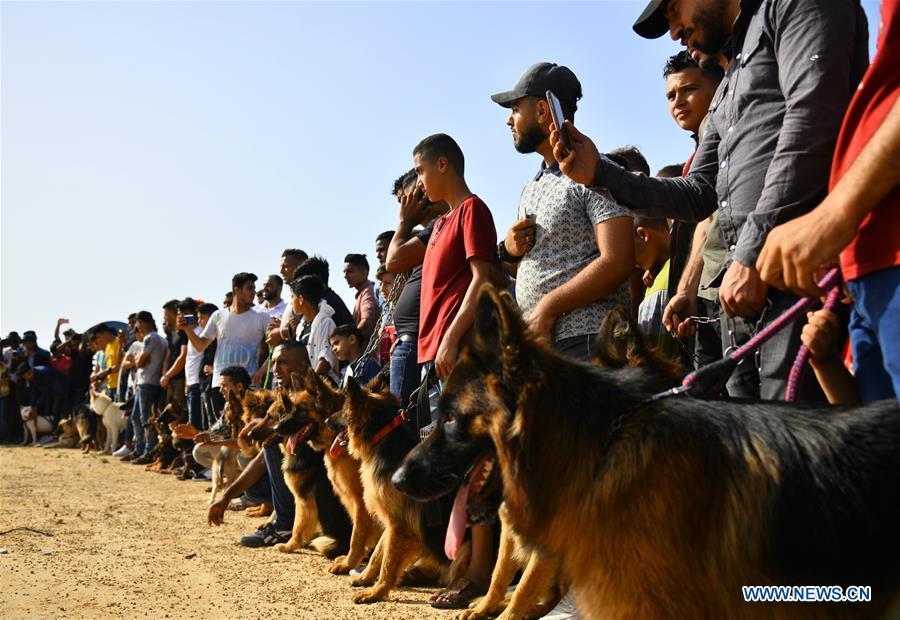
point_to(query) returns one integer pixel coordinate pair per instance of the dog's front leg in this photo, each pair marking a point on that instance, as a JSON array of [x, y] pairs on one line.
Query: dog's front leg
[[306, 523], [534, 596], [363, 524], [373, 569], [400, 550], [504, 571]]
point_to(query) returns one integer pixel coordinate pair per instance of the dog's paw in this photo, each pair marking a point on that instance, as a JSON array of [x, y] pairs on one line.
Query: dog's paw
[[362, 582], [368, 596], [284, 547], [339, 566]]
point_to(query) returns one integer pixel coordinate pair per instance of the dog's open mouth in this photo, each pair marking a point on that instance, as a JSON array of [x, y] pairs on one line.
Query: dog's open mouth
[[468, 493], [339, 444], [297, 438]]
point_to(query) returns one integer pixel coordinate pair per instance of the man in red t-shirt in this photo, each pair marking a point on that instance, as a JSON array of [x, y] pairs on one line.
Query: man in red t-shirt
[[457, 263], [458, 256], [859, 220]]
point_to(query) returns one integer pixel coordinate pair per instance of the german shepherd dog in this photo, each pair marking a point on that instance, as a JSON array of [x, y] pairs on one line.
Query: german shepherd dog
[[166, 454], [91, 432], [316, 506], [665, 507], [306, 410], [379, 438], [449, 457]]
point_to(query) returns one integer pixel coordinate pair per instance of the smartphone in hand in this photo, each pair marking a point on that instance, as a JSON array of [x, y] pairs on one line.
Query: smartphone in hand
[[557, 114]]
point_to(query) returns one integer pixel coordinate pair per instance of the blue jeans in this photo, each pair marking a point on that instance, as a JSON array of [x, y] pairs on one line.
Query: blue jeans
[[194, 406], [282, 498], [406, 372], [145, 397], [875, 333]]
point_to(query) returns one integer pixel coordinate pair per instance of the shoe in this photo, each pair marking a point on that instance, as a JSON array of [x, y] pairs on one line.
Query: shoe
[[266, 536], [122, 451], [564, 610], [356, 572], [129, 456], [144, 459]]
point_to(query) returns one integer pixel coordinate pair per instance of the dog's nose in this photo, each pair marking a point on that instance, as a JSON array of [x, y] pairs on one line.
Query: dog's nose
[[399, 479]]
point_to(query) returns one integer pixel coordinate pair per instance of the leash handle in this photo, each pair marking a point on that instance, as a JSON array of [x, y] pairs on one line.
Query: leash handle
[[703, 380], [803, 354]]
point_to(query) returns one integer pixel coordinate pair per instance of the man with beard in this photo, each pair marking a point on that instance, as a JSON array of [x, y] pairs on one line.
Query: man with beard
[[766, 153], [571, 249], [273, 304]]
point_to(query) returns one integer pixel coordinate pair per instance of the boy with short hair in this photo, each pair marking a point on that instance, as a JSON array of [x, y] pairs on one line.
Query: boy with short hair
[[307, 300], [348, 346], [651, 253], [457, 263]]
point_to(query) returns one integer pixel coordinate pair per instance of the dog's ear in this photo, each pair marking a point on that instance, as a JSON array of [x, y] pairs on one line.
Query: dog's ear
[[378, 385], [498, 331], [297, 383], [355, 392], [312, 383], [619, 341], [286, 403]]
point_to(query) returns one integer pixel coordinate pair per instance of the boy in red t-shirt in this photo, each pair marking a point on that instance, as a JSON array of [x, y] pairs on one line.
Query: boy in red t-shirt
[[457, 263]]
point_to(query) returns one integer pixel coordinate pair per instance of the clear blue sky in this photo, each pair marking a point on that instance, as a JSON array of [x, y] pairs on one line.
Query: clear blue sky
[[151, 150]]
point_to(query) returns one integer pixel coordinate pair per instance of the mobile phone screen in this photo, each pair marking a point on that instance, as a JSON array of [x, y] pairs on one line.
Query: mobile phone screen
[[557, 114]]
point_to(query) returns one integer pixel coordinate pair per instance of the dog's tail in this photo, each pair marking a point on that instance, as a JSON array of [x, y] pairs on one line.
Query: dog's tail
[[326, 545]]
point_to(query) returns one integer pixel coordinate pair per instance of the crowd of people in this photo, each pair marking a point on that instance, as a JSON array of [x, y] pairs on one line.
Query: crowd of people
[[792, 165]]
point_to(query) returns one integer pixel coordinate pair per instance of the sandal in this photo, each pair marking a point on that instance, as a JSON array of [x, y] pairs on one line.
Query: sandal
[[458, 595]]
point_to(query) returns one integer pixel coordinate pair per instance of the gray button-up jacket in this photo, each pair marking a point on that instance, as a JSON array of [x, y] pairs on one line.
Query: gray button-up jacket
[[773, 123]]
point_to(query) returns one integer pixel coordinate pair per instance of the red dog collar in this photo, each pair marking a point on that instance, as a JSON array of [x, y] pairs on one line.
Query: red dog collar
[[397, 421]]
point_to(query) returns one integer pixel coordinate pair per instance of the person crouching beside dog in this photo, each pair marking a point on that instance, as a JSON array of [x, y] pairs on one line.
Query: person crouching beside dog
[[348, 346], [288, 359]]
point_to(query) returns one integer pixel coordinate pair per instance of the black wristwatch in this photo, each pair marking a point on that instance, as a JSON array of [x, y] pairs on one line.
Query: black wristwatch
[[505, 256]]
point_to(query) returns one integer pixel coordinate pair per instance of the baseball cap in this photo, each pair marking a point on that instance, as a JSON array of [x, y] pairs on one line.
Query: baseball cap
[[653, 22], [538, 80]]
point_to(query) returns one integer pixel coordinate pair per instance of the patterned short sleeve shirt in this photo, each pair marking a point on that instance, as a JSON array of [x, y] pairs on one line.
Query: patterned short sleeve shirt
[[565, 214]]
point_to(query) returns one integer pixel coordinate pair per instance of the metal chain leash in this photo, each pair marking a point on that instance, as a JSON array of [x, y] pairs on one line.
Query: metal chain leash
[[399, 281]]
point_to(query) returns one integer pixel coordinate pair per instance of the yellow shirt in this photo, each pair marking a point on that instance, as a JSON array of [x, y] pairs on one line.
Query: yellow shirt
[[113, 353]]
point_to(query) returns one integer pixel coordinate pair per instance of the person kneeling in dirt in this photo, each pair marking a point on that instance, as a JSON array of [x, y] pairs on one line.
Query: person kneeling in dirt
[[288, 358]]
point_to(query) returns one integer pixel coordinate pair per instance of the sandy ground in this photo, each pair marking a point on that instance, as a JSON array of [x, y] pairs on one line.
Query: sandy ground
[[134, 544]]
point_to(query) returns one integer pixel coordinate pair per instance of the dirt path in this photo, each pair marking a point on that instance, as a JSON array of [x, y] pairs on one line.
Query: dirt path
[[133, 544]]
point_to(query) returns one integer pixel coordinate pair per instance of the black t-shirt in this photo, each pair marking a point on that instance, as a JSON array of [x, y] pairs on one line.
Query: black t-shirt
[[342, 316], [406, 312], [176, 339]]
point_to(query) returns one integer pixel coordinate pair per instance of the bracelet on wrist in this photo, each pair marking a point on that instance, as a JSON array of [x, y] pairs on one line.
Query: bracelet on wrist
[[504, 254]]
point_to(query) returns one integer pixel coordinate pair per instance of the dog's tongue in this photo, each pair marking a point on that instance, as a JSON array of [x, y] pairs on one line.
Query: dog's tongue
[[292, 442], [456, 530], [337, 446]]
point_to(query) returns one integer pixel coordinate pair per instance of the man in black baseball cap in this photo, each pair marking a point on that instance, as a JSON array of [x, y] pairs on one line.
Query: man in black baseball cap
[[653, 23], [538, 80]]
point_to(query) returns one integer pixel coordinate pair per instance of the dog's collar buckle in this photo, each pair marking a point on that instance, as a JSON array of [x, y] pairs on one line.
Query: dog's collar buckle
[[399, 419]]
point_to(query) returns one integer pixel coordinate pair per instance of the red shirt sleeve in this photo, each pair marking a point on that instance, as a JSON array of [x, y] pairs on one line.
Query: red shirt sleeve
[[479, 233]]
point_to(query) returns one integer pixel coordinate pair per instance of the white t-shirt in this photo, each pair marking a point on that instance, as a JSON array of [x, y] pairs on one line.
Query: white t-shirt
[[239, 337], [135, 350], [318, 346], [194, 362], [274, 313]]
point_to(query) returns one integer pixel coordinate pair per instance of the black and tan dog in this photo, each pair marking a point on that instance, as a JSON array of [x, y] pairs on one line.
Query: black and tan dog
[[664, 508], [166, 455], [91, 431], [450, 457], [310, 404], [378, 437], [316, 507]]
